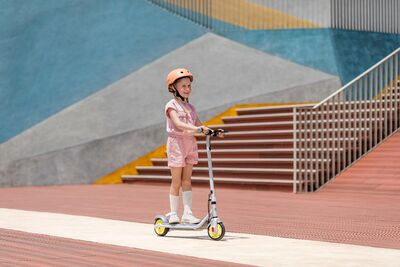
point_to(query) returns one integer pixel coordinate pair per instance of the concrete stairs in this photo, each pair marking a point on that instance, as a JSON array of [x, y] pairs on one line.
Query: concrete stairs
[[257, 152]]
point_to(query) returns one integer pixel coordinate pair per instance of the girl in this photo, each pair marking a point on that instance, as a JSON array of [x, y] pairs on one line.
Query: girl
[[182, 124]]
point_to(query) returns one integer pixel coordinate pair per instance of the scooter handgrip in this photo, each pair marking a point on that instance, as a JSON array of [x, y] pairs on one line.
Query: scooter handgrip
[[209, 132], [215, 132]]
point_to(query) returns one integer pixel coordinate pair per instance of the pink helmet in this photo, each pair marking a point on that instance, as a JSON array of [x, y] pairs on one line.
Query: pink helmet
[[177, 74]]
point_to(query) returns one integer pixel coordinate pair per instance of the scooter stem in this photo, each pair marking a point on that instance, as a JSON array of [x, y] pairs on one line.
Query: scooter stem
[[210, 169], [213, 199]]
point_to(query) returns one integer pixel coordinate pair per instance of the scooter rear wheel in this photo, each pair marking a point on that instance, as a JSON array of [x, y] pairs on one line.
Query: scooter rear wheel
[[219, 234], [160, 231]]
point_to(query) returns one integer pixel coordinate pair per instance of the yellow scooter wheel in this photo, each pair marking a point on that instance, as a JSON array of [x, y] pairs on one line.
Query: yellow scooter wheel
[[219, 234], [160, 231]]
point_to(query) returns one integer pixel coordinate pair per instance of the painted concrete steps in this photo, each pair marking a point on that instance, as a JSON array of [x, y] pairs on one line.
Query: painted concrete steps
[[357, 105], [285, 134], [249, 153], [258, 153], [270, 110], [354, 112], [358, 123], [258, 150], [257, 126], [288, 117], [258, 118], [243, 173], [237, 162], [257, 143], [277, 184], [251, 135], [266, 143], [241, 162]]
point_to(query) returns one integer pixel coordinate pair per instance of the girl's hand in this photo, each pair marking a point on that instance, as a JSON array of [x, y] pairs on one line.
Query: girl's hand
[[205, 129]]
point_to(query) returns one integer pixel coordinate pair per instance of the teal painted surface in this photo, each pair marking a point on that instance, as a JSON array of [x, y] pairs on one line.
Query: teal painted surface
[[55, 53], [357, 51], [312, 48], [346, 54]]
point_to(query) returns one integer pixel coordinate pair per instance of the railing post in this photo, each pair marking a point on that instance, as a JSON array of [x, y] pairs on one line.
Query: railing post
[[376, 117], [396, 85], [371, 97], [386, 98], [317, 148], [300, 158], [294, 150], [307, 170]]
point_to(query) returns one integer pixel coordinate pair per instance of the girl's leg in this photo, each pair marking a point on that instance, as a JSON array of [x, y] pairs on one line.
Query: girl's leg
[[187, 177], [187, 195], [176, 182]]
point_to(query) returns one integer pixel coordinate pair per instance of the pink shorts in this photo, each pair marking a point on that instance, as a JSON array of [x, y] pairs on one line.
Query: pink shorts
[[182, 151]]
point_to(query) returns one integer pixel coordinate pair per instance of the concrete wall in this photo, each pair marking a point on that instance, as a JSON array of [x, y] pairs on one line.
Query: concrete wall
[[125, 120], [357, 51], [54, 61], [54, 53], [344, 53], [316, 11]]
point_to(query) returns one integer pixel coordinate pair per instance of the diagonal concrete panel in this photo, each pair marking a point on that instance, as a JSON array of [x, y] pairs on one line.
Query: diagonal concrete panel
[[225, 72]]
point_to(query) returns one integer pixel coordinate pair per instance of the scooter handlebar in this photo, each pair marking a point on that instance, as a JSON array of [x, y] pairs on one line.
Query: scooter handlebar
[[215, 132]]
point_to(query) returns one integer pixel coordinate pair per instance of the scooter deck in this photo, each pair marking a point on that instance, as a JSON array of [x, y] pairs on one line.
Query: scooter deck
[[184, 226]]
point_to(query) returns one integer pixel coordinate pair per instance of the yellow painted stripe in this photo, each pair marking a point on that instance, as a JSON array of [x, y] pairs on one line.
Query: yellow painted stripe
[[115, 177], [245, 14]]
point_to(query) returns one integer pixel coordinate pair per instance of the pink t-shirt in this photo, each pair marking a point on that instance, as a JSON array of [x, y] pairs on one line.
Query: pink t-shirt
[[190, 118]]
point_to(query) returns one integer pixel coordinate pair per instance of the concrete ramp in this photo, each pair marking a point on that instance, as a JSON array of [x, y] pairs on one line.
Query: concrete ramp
[[377, 173]]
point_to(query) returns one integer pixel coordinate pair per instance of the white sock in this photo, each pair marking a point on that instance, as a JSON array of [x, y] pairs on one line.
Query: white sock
[[174, 203], [187, 201]]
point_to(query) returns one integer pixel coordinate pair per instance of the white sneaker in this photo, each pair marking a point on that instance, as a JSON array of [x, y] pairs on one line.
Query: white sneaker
[[172, 217], [188, 217]]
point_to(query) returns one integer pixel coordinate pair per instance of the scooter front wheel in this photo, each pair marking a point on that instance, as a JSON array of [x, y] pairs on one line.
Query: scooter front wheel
[[160, 231], [217, 235]]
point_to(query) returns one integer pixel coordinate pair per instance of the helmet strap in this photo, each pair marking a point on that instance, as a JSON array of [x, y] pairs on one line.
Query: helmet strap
[[177, 95]]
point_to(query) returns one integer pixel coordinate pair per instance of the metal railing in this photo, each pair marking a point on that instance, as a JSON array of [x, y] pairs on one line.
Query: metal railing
[[338, 131], [366, 15], [236, 15]]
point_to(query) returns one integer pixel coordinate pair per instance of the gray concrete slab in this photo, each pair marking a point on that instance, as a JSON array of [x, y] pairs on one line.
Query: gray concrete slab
[[226, 73], [241, 248]]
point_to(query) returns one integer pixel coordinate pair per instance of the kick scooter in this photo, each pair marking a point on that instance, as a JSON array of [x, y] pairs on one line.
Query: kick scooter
[[214, 225]]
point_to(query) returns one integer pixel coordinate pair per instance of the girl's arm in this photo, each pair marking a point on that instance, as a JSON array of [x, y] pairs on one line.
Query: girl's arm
[[200, 124], [181, 125]]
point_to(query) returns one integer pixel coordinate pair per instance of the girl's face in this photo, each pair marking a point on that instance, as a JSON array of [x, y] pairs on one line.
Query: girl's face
[[184, 87]]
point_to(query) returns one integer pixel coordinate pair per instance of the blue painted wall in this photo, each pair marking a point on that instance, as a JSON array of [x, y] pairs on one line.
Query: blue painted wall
[[357, 51], [311, 48], [54, 53], [346, 54]]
